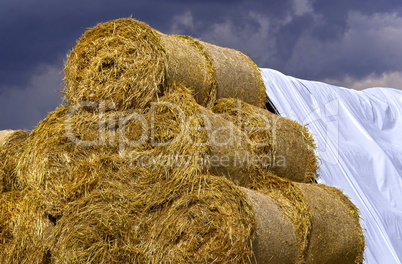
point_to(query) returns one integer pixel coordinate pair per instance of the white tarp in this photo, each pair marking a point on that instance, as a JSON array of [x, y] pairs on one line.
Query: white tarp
[[359, 139]]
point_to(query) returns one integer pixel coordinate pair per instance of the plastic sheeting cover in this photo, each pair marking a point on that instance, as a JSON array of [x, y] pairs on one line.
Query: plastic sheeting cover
[[359, 140]]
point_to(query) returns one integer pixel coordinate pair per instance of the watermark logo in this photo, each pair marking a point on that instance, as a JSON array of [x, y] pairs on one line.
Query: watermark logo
[[222, 132]]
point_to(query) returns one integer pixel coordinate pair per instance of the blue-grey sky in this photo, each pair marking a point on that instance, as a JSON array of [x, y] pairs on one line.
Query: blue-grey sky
[[352, 43]]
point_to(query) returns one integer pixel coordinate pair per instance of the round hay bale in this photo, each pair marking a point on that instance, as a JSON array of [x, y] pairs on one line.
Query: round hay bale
[[120, 61], [203, 220], [73, 150], [189, 63], [99, 228], [288, 146], [230, 153], [275, 238], [209, 221], [67, 155], [334, 235], [182, 136], [294, 209], [24, 228], [10, 152], [238, 76], [128, 62]]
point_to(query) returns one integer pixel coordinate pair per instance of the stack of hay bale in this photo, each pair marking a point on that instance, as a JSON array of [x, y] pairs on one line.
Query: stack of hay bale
[[164, 153]]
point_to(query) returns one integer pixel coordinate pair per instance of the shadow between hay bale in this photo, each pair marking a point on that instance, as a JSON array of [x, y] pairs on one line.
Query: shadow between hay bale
[[289, 146], [202, 220], [189, 63], [24, 228], [128, 62], [10, 152]]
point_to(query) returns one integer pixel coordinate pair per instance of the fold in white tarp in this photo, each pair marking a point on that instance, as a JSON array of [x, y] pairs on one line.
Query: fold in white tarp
[[359, 140]]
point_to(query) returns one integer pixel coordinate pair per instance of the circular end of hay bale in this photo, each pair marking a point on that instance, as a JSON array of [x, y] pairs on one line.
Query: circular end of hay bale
[[121, 61], [65, 157], [295, 143], [99, 227], [209, 221], [201, 221]]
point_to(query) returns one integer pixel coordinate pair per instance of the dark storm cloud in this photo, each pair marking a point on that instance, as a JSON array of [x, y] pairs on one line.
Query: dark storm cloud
[[334, 15], [35, 32], [369, 45], [310, 39]]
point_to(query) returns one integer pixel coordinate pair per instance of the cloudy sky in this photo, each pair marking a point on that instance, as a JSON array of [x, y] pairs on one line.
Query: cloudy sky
[[351, 43]]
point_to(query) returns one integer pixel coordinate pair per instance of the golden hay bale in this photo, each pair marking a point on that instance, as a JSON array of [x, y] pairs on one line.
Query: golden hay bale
[[202, 220], [73, 150], [213, 72], [210, 222], [128, 62], [99, 228], [228, 150], [294, 209], [288, 146], [334, 234], [238, 76], [182, 136], [275, 237], [67, 155], [24, 228], [189, 63], [120, 61], [10, 151]]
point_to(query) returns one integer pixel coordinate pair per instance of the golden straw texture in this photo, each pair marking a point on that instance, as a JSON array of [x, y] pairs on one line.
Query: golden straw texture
[[202, 220], [24, 228], [288, 146], [10, 152], [127, 62]]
